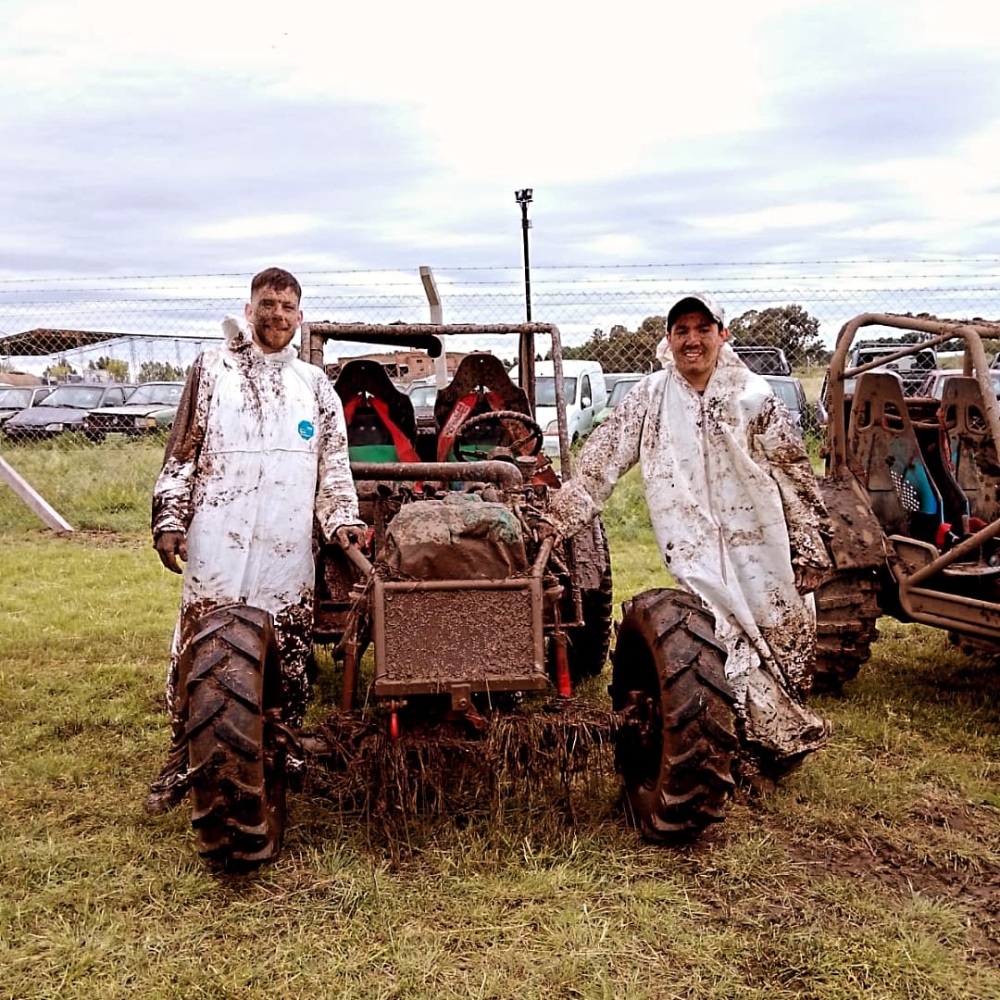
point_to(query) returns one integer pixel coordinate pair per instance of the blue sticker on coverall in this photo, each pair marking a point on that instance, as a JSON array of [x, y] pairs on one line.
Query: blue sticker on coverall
[[306, 429]]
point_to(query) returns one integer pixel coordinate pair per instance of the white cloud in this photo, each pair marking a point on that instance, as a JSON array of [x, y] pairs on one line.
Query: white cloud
[[577, 93], [647, 129], [615, 245], [949, 192], [801, 215], [424, 235], [957, 24], [256, 227]]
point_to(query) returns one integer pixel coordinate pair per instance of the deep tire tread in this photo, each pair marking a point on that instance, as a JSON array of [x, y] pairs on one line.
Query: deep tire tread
[[237, 783], [679, 779], [237, 686], [846, 612]]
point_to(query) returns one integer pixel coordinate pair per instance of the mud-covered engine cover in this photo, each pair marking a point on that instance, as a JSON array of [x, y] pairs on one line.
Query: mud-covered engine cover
[[456, 612], [458, 538]]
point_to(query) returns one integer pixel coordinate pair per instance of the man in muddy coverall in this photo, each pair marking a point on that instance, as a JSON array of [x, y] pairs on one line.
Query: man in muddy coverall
[[258, 451], [737, 515]]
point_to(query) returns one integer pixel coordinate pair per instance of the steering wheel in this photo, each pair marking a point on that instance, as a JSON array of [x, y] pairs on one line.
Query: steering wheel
[[530, 444]]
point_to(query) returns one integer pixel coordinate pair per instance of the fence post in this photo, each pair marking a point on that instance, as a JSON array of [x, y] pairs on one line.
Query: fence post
[[437, 318], [32, 497]]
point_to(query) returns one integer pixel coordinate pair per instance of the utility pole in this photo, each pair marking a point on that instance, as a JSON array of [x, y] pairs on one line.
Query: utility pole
[[523, 198]]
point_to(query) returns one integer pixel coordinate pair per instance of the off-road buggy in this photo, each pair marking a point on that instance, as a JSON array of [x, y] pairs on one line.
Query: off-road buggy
[[912, 486], [475, 615]]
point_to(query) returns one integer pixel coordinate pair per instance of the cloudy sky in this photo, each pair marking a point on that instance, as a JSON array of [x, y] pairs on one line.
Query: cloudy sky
[[214, 138]]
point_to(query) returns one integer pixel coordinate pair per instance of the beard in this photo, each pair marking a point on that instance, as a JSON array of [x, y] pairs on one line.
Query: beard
[[272, 334]]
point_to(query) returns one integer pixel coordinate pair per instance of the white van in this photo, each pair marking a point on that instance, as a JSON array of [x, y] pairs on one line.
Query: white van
[[583, 385]]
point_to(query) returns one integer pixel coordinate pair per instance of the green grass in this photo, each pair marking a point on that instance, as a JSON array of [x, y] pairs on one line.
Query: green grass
[[872, 872], [95, 487], [812, 382]]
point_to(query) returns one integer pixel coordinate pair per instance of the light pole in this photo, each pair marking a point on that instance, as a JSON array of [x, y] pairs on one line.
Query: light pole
[[523, 198]]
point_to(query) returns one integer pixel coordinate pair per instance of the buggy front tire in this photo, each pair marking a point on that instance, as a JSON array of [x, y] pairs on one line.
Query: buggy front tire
[[678, 745], [236, 765], [846, 612]]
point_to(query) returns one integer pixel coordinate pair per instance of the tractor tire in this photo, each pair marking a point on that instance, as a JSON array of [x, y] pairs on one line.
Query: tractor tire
[[846, 611], [587, 650], [236, 767], [679, 743]]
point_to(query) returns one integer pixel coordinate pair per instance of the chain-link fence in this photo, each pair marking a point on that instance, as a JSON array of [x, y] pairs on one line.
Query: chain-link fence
[[73, 347]]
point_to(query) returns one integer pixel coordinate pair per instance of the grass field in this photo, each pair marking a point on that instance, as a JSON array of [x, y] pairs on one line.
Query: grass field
[[812, 382], [873, 871]]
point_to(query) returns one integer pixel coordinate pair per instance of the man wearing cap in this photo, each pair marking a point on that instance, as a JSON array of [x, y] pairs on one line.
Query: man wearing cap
[[736, 511]]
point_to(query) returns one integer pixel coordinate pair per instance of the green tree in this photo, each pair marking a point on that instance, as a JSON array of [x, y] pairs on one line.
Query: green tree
[[789, 327], [621, 349], [61, 367], [118, 370], [160, 371], [906, 337]]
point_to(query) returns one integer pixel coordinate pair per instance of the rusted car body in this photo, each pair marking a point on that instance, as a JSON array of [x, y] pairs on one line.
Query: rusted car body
[[412, 654]]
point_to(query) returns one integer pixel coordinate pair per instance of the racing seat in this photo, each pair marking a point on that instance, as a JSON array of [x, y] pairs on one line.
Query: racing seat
[[889, 461], [381, 426], [480, 385], [971, 447]]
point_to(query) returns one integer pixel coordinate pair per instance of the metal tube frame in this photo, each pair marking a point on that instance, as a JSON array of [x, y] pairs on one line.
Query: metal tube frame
[[941, 331], [426, 335], [504, 474], [911, 594]]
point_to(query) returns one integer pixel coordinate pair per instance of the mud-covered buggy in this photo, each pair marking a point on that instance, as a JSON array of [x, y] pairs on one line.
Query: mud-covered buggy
[[474, 613], [912, 485]]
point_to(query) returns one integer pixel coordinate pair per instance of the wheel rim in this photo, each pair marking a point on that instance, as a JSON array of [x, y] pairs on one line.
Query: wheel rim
[[642, 745]]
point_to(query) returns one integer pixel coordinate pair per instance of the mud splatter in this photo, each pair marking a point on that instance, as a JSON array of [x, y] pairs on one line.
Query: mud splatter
[[293, 631], [184, 632]]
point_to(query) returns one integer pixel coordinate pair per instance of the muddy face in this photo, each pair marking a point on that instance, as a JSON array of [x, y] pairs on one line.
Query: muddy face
[[695, 341], [274, 316]]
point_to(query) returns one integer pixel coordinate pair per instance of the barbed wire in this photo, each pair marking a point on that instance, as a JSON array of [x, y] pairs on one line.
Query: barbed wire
[[539, 265]]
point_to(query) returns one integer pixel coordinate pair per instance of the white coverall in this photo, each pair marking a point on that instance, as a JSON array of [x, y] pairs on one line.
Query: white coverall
[[734, 504], [258, 449]]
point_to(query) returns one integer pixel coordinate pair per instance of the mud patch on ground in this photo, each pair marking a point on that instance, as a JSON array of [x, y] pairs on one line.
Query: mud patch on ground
[[106, 539], [972, 887]]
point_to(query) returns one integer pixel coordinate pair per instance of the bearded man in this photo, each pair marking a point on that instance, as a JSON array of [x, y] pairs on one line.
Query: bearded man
[[257, 454]]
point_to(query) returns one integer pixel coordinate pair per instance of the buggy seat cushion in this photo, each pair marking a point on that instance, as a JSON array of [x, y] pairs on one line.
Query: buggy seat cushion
[[481, 384], [381, 426]]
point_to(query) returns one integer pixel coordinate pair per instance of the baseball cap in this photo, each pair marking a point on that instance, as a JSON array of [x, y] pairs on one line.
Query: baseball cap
[[696, 301]]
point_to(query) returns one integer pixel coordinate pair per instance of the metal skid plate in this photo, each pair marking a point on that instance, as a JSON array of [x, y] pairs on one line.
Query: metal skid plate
[[431, 635]]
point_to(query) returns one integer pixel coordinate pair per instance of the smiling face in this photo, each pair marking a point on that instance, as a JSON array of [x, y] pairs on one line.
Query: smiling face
[[274, 316], [695, 341]]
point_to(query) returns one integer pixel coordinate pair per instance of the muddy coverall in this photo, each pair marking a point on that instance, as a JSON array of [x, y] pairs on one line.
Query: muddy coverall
[[257, 451], [734, 505]]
